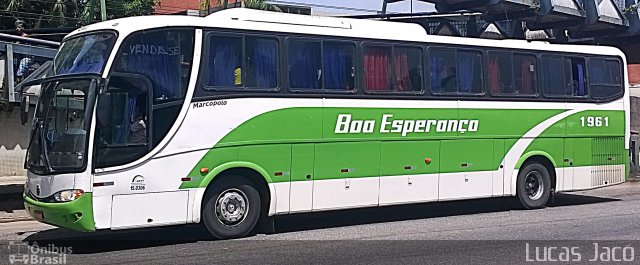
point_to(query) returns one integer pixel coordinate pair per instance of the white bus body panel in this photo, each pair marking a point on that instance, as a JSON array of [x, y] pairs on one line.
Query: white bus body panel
[[408, 188], [149, 209]]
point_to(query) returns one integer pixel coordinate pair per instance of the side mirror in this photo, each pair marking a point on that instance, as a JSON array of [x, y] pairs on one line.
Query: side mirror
[[24, 109]]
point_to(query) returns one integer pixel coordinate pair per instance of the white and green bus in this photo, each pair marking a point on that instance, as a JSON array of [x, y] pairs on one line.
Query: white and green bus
[[242, 115]]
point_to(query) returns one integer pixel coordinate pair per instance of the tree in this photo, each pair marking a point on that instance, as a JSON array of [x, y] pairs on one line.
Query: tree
[[67, 13], [206, 5], [261, 5], [33, 14]]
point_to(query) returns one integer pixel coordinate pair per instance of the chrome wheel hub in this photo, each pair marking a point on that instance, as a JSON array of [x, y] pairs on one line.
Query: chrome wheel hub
[[231, 207], [533, 185]]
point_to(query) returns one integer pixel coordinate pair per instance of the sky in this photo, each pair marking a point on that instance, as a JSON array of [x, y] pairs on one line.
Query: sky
[[356, 7]]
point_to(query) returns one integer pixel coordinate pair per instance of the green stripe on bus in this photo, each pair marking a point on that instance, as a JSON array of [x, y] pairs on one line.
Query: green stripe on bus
[[276, 140]]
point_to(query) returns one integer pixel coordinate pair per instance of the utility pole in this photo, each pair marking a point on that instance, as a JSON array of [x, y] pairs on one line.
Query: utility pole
[[103, 10], [92, 11]]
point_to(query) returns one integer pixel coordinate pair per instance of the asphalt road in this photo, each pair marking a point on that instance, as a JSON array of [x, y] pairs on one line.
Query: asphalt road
[[469, 232]]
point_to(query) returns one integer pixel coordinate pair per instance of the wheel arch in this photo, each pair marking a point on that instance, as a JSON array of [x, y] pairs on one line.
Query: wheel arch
[[542, 158], [226, 168], [535, 155], [252, 172]]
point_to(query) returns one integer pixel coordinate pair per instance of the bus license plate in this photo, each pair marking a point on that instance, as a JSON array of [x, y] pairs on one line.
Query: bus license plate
[[38, 215]]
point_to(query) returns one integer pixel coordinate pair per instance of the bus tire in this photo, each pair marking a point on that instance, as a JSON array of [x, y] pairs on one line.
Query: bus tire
[[533, 186], [232, 208]]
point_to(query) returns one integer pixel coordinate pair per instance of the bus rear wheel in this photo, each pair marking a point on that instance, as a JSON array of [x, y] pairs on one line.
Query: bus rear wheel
[[231, 208], [533, 188]]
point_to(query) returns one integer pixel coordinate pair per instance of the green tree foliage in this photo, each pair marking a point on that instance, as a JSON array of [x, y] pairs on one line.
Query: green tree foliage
[[261, 5], [224, 4], [67, 13], [632, 9]]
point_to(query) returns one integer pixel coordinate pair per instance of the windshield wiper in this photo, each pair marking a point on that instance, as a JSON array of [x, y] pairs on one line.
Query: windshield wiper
[[33, 133], [39, 127], [44, 150]]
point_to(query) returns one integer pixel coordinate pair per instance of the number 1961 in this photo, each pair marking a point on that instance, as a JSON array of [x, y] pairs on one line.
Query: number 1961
[[594, 121]]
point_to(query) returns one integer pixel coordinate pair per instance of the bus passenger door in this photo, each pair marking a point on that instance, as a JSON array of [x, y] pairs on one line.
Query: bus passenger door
[[347, 174], [302, 157]]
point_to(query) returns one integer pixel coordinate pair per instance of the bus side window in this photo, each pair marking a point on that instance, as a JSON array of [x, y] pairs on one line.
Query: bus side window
[[605, 78], [123, 121], [553, 76], [525, 78], [500, 73], [236, 61], [407, 66], [146, 92], [337, 65], [511, 74], [443, 71], [469, 72], [261, 66], [377, 74], [392, 69], [305, 65], [576, 77], [225, 62]]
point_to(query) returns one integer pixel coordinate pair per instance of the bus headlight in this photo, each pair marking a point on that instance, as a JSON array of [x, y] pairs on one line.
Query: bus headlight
[[67, 195]]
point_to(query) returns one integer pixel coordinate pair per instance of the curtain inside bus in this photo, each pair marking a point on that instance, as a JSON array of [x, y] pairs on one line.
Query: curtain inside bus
[[494, 75], [122, 134], [335, 66], [401, 67], [304, 65], [466, 71], [226, 57], [580, 89], [527, 83], [265, 62], [158, 58], [437, 66], [376, 62]]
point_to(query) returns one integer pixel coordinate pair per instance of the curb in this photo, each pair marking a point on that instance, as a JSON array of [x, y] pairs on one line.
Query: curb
[[633, 179], [11, 192], [17, 219], [11, 185], [11, 188]]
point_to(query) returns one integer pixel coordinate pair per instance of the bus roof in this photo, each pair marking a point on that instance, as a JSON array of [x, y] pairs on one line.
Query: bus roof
[[249, 19]]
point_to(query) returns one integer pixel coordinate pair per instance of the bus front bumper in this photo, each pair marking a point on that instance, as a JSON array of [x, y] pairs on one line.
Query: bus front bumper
[[76, 215]]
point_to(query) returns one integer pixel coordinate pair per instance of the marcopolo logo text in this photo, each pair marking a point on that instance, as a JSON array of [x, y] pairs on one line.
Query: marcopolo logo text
[[209, 104], [346, 124]]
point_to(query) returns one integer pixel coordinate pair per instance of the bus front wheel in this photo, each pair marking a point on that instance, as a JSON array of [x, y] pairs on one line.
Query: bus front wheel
[[232, 208], [533, 186]]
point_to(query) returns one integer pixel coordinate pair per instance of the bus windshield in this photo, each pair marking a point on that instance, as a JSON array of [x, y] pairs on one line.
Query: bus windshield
[[60, 133], [84, 54]]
